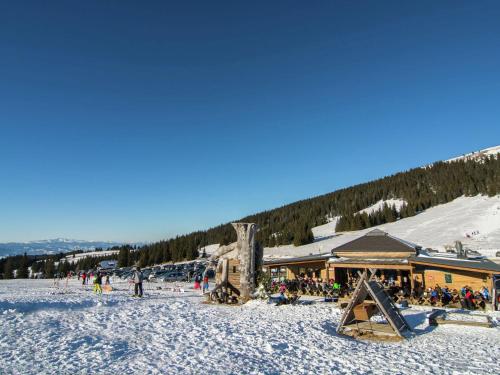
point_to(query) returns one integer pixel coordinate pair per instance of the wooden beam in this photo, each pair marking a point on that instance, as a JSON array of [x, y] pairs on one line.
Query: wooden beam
[[285, 263], [369, 266]]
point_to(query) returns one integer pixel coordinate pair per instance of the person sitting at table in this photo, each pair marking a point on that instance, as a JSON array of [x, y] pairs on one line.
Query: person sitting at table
[[438, 289], [446, 296], [485, 293], [463, 291], [469, 299], [434, 295], [282, 288], [480, 300]]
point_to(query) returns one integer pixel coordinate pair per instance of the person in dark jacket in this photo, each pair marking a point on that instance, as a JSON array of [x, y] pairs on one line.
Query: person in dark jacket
[[138, 277]]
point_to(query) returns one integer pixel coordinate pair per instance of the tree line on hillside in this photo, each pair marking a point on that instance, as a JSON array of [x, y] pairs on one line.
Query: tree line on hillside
[[420, 188], [47, 265]]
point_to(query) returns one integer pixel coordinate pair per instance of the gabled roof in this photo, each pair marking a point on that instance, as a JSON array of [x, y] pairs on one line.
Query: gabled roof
[[377, 241]]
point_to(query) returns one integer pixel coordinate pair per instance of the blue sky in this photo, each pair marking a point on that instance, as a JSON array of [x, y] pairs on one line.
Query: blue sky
[[136, 121]]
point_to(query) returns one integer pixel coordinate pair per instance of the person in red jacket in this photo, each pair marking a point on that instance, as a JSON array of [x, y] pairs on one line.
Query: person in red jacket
[[469, 299]]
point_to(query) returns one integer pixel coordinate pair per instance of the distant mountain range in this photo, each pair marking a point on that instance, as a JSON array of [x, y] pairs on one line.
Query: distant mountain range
[[53, 246]]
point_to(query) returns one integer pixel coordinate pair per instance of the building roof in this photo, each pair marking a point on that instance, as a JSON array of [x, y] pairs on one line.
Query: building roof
[[395, 261], [308, 258], [377, 241], [474, 264]]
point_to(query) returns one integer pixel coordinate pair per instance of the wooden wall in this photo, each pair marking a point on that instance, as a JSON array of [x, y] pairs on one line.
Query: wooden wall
[[234, 273], [459, 278]]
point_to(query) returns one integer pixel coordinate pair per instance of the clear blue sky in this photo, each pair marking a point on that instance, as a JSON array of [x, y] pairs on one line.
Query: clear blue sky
[[136, 121]]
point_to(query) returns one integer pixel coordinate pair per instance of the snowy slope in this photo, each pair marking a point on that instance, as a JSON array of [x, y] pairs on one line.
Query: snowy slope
[[473, 220], [52, 331], [328, 229], [380, 204], [210, 249], [478, 154], [77, 257]]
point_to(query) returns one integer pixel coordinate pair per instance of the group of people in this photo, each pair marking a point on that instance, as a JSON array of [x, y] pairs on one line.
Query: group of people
[[468, 298], [306, 285], [436, 294], [201, 283], [85, 277], [98, 279], [95, 278], [472, 299]]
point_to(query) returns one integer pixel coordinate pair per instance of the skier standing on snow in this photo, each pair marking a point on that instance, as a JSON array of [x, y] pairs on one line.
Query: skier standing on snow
[[98, 283], [138, 277]]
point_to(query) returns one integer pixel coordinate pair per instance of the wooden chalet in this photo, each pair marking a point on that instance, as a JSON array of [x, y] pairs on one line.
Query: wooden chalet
[[409, 267], [376, 249], [399, 263]]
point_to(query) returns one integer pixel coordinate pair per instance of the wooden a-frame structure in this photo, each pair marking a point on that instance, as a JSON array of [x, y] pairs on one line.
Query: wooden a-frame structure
[[356, 316]]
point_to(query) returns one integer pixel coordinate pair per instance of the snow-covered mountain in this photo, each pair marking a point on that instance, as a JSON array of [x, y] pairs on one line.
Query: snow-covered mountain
[[52, 246], [475, 221], [477, 155]]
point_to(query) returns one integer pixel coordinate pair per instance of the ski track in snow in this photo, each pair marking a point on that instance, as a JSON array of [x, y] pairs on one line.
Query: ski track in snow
[[48, 331]]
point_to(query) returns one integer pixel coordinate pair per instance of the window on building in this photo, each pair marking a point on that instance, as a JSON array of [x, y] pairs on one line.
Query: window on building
[[447, 278]]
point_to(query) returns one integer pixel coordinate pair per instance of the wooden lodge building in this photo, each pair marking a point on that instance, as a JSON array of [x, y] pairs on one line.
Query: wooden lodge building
[[311, 266], [404, 264]]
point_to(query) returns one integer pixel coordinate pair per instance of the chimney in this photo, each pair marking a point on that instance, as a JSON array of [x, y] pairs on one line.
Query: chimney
[[460, 250]]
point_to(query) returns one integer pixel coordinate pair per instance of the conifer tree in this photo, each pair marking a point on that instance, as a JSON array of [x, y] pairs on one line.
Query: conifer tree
[[49, 268], [123, 257], [8, 271], [22, 271]]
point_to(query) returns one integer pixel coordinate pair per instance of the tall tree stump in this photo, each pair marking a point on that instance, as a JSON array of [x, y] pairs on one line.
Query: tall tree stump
[[246, 247]]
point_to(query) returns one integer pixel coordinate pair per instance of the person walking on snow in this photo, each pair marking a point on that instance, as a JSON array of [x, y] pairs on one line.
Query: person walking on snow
[[197, 280], [138, 277], [205, 283]]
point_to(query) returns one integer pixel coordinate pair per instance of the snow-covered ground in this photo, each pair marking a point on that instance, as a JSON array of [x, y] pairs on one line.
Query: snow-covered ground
[[51, 331], [473, 220]]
